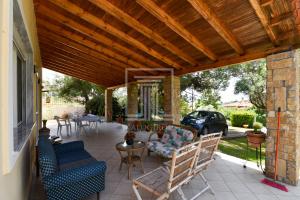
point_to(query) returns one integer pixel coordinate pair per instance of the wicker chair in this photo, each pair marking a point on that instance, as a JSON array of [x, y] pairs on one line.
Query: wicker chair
[[162, 181]]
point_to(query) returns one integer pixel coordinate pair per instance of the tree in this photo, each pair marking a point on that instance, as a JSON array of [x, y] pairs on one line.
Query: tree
[[83, 92], [252, 82], [208, 83]]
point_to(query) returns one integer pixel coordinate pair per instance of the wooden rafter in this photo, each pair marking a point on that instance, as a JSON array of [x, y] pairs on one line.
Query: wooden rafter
[[264, 20], [234, 60], [210, 16], [67, 44], [78, 63], [79, 39], [277, 20], [160, 14], [55, 47], [68, 70], [76, 10], [43, 10], [266, 2], [136, 25]]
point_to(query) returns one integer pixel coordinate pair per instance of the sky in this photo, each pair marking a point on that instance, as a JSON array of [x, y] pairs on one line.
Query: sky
[[226, 96]]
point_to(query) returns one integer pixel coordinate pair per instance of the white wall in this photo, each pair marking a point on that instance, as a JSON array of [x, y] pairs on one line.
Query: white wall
[[15, 168]]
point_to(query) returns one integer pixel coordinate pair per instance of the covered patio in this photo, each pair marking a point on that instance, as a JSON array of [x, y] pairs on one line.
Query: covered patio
[[116, 43], [226, 175], [121, 43]]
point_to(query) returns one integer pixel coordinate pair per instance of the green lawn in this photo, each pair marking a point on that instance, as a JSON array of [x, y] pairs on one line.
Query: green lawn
[[237, 147]]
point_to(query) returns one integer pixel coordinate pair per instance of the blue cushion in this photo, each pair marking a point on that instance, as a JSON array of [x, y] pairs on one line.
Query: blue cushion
[[68, 157], [47, 157]]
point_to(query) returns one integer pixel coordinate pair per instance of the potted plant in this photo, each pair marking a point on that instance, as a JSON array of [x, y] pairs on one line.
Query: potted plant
[[129, 138], [255, 137]]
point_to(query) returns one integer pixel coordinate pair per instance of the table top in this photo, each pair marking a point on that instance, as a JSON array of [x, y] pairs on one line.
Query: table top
[[122, 146]]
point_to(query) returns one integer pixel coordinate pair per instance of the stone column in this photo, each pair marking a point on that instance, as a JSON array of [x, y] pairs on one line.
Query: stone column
[[132, 101], [283, 91], [108, 105], [172, 99]]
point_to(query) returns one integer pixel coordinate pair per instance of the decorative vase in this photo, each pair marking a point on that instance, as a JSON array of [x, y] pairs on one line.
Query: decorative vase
[[255, 139], [44, 131]]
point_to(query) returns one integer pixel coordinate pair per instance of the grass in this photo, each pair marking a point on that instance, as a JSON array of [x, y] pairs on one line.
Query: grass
[[237, 147]]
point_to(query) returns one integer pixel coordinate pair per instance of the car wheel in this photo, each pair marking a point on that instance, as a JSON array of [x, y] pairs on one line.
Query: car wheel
[[225, 131], [205, 131]]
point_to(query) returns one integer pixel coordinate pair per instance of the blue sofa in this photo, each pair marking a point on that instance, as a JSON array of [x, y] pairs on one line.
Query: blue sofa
[[68, 171]]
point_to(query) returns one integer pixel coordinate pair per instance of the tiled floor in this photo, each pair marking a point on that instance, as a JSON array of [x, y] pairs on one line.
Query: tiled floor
[[226, 175]]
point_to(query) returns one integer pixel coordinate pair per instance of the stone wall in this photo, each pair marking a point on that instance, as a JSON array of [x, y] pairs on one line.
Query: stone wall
[[132, 101], [283, 91], [108, 105], [172, 99]]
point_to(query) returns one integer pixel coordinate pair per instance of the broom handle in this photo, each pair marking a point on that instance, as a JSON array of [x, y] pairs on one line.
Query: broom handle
[[277, 143]]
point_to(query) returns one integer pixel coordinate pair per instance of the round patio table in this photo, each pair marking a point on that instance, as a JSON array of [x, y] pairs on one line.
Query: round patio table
[[130, 154]]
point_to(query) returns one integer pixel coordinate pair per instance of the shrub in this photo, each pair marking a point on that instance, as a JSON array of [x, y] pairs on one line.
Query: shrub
[[241, 118], [257, 126], [227, 112]]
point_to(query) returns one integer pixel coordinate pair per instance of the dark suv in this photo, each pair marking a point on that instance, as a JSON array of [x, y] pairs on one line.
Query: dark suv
[[206, 122]]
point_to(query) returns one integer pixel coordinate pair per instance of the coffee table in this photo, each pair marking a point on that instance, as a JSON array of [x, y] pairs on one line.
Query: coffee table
[[130, 154]]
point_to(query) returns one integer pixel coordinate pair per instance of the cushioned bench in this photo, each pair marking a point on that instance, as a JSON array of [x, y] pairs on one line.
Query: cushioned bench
[[68, 171]]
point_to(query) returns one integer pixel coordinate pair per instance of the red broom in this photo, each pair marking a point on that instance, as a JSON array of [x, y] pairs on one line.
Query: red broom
[[273, 183]]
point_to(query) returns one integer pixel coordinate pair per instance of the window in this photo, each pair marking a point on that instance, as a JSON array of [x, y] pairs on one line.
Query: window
[[194, 114], [21, 77]]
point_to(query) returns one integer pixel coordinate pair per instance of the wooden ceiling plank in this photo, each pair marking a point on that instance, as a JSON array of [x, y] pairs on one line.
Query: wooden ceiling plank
[[279, 19], [43, 10], [65, 69], [79, 64], [81, 51], [161, 15], [69, 44], [77, 11], [89, 44], [264, 20], [141, 28], [210, 16], [45, 46]]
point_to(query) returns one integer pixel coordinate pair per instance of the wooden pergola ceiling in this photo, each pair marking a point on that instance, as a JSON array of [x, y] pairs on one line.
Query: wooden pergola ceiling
[[97, 40]]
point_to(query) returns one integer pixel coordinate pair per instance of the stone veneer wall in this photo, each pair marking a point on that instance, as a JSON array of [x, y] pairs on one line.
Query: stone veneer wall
[[172, 99], [132, 101], [108, 105], [283, 91]]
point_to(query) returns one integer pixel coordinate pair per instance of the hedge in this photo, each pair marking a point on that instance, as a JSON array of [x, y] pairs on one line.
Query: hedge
[[240, 118]]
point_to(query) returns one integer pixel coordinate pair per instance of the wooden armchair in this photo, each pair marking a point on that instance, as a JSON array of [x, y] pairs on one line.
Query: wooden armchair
[[162, 181], [209, 145]]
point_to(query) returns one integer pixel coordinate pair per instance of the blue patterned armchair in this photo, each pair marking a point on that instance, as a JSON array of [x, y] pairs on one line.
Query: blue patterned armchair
[[68, 171], [174, 137]]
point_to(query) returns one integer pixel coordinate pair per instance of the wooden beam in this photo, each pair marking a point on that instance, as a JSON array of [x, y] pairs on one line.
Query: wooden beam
[[46, 45], [136, 25], [279, 19], [264, 21], [66, 69], [210, 16], [161, 15], [99, 23], [72, 24], [78, 64], [69, 44], [89, 43], [233, 60], [266, 2]]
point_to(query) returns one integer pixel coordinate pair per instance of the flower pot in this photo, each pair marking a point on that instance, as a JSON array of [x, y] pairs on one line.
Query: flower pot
[[255, 139]]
